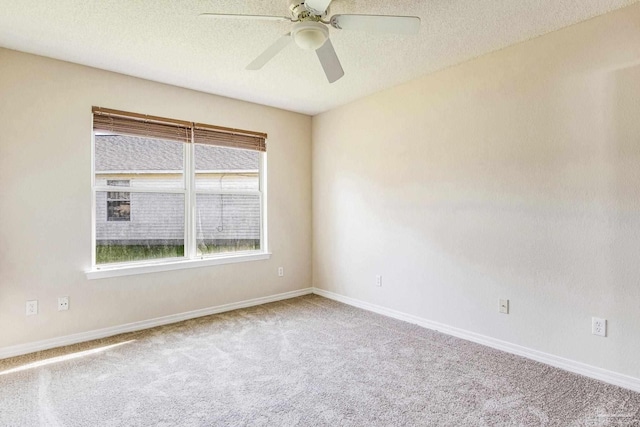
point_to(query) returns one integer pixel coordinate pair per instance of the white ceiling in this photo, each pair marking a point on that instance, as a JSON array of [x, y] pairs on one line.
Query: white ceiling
[[166, 41]]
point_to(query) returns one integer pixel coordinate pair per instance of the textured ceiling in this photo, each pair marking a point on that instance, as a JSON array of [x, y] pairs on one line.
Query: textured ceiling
[[166, 41]]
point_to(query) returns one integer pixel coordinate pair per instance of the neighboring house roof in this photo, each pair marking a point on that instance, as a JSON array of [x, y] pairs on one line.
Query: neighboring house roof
[[123, 153]]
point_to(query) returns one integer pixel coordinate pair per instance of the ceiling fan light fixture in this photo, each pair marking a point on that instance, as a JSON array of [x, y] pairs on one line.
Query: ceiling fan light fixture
[[310, 35]]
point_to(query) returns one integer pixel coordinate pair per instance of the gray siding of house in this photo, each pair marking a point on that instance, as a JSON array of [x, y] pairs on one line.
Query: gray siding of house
[[227, 217], [155, 219], [158, 218]]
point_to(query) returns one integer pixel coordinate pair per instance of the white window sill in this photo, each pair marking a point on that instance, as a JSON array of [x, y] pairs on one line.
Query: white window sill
[[106, 271]]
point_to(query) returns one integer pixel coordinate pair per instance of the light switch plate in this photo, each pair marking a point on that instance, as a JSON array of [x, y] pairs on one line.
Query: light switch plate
[[504, 306]]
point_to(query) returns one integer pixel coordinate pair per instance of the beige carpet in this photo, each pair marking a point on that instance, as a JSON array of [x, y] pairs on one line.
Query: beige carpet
[[307, 361]]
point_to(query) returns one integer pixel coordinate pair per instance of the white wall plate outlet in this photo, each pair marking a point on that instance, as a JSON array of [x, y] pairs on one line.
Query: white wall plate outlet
[[378, 280], [599, 326], [63, 303], [32, 307], [280, 271]]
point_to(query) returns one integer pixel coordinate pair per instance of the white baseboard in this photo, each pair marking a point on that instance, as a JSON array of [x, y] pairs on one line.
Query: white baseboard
[[604, 375], [21, 349]]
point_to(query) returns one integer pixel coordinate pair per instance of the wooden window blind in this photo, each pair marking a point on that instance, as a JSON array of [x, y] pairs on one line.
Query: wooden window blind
[[122, 122], [234, 138], [133, 124]]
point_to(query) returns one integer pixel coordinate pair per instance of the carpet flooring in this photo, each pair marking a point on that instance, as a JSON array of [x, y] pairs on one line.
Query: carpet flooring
[[306, 361]]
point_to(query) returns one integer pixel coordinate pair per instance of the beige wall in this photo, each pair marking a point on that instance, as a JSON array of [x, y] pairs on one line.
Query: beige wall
[[515, 175], [45, 201]]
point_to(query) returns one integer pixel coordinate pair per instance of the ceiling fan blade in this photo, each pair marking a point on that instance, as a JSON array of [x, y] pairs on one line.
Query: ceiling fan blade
[[318, 6], [330, 62], [271, 51], [235, 16], [377, 23]]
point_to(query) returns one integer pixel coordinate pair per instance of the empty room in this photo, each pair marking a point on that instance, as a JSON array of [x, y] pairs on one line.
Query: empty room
[[320, 213]]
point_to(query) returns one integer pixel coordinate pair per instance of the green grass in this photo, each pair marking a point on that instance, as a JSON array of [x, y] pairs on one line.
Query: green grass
[[107, 254], [214, 249]]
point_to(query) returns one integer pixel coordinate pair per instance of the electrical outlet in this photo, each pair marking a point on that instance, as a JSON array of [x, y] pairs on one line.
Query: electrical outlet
[[32, 307], [280, 271], [599, 326], [504, 306], [379, 281], [63, 303]]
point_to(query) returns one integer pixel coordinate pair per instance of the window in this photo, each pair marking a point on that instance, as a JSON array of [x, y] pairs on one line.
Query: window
[[118, 202], [193, 191]]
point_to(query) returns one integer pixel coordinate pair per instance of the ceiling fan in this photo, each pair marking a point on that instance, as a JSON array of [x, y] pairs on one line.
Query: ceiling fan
[[310, 31]]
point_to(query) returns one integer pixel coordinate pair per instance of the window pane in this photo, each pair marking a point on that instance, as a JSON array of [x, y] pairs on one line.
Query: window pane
[[221, 168], [227, 223], [154, 227], [129, 161], [118, 210], [118, 203]]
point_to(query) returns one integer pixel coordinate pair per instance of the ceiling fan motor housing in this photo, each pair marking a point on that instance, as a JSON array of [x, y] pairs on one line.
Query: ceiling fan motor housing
[[300, 12]]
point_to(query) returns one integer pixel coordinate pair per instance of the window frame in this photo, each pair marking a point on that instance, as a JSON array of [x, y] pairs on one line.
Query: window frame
[[190, 259]]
